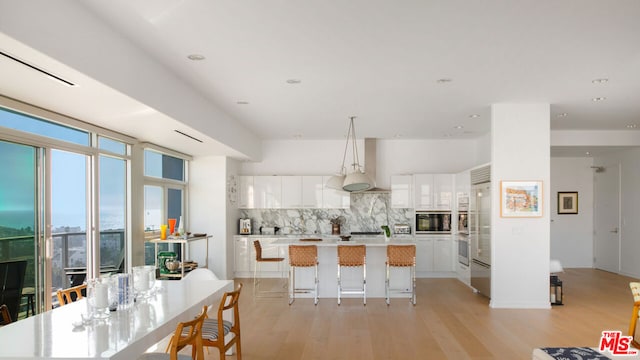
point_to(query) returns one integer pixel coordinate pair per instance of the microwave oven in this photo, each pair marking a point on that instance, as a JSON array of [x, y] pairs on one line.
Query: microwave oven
[[433, 222]]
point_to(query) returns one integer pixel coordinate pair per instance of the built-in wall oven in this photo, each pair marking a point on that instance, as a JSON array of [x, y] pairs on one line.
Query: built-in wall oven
[[463, 249], [463, 222], [433, 222]]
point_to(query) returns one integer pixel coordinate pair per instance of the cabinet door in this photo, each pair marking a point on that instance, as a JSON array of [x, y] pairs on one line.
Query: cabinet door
[[334, 199], [442, 191], [423, 190], [245, 200], [424, 254], [312, 191], [462, 186], [242, 252], [443, 254], [291, 192], [267, 192], [401, 192]]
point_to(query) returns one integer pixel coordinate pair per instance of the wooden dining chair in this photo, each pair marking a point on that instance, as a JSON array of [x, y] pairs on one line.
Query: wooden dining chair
[[69, 295], [635, 291], [187, 333], [5, 317], [214, 331]]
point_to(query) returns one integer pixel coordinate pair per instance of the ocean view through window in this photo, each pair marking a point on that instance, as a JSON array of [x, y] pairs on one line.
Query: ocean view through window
[[47, 199]]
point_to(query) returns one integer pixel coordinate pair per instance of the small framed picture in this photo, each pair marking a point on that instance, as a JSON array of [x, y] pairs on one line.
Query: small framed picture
[[521, 199], [567, 202]]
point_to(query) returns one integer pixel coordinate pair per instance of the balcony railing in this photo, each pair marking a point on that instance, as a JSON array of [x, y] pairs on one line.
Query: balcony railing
[[69, 250]]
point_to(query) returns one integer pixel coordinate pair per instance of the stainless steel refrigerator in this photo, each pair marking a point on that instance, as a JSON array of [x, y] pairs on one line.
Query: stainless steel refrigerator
[[480, 236]]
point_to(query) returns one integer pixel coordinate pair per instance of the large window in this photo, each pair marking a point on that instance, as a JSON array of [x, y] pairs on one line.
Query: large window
[[17, 206], [32, 125], [164, 196], [113, 211], [63, 188], [163, 166]]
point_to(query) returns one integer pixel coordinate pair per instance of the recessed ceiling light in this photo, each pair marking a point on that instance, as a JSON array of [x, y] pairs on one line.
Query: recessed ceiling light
[[196, 57], [600, 98], [599, 81], [562, 115], [473, 116], [242, 102], [587, 153], [444, 80], [294, 81], [458, 127], [632, 126]]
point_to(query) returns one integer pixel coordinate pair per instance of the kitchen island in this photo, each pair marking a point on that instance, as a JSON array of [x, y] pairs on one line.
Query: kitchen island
[[351, 277]]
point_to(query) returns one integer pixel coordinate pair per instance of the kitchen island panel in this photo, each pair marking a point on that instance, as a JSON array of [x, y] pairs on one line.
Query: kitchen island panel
[[351, 277]]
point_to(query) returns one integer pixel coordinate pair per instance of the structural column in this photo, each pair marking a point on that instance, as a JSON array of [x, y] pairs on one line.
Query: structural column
[[520, 150]]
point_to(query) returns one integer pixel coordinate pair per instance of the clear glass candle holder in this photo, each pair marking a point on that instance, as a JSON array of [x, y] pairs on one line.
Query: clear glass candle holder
[[98, 297]]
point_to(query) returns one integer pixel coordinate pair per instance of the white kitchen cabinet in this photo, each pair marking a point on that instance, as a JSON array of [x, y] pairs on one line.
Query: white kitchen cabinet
[[291, 192], [245, 191], [267, 192], [463, 188], [424, 255], [433, 191], [312, 187], [423, 191], [244, 265], [443, 191], [401, 191], [443, 254], [334, 199], [434, 256]]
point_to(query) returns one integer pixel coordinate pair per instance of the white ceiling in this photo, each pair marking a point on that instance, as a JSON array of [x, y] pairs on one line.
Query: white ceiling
[[377, 60]]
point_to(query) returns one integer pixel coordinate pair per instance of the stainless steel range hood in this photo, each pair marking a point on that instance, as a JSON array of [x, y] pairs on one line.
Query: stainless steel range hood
[[370, 164]]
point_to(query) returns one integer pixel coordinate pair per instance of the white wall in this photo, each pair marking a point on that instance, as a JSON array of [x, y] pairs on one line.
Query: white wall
[[317, 157], [572, 235], [630, 208], [423, 156], [520, 246], [208, 206], [483, 149]]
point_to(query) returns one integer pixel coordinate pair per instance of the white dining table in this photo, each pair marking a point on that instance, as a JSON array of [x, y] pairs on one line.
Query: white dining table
[[126, 334]]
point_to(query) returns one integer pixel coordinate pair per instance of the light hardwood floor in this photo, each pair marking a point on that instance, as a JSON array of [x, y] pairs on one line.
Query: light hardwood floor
[[449, 322]]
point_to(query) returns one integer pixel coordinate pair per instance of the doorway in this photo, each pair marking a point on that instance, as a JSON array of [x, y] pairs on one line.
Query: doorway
[[606, 186]]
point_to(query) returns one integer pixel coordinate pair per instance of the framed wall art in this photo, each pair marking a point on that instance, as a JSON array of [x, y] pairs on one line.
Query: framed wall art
[[567, 202], [521, 199]]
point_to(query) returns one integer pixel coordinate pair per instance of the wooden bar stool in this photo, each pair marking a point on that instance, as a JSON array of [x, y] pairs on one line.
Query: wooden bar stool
[[352, 256], [302, 256], [402, 256], [635, 290], [259, 260]]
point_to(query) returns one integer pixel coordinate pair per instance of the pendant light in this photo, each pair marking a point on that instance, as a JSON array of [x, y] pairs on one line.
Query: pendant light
[[337, 180], [357, 180]]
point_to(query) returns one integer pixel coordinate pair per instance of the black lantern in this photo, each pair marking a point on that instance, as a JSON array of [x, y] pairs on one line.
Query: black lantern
[[555, 290]]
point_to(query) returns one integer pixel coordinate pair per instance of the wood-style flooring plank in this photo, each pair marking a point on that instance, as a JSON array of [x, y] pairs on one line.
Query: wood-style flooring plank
[[448, 322]]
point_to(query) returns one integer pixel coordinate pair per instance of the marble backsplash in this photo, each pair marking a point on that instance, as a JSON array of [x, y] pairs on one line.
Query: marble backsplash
[[368, 212]]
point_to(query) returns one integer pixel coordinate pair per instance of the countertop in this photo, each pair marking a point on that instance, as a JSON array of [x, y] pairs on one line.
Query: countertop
[[364, 240]]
